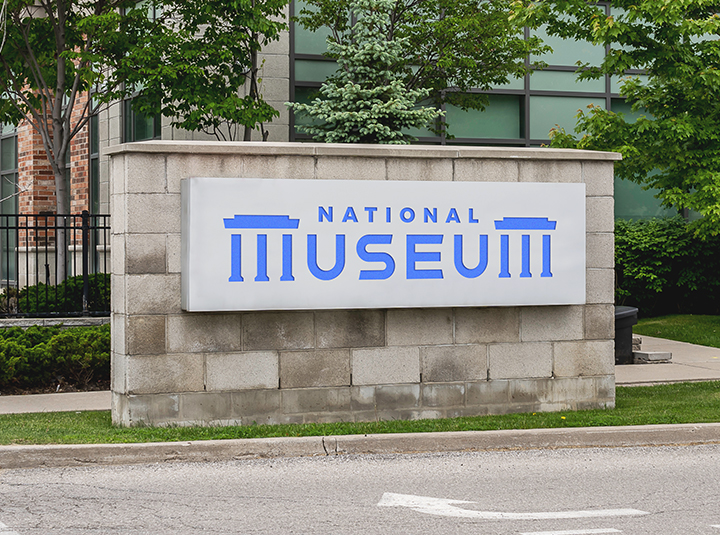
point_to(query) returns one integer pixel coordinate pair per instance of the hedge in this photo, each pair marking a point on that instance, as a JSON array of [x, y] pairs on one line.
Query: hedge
[[39, 357], [661, 267]]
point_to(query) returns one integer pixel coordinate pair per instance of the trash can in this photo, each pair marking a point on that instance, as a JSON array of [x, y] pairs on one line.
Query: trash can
[[625, 318]]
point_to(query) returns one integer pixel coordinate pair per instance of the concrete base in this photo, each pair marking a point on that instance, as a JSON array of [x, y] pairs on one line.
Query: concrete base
[[651, 357]]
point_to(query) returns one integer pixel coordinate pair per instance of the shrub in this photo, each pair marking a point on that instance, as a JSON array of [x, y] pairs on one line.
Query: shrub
[[661, 267], [66, 296], [43, 356]]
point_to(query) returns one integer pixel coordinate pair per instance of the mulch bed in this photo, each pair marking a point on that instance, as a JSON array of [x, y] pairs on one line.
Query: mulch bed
[[51, 389]]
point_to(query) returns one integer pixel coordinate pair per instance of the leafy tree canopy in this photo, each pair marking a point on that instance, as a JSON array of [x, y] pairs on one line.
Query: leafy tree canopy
[[452, 46], [674, 145], [367, 100]]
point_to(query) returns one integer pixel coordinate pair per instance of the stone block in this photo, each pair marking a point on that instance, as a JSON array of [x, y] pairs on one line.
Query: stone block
[[153, 294], [274, 66], [205, 408], [386, 365], [531, 391], [574, 359], [600, 286], [278, 330], [487, 325], [117, 254], [118, 209], [600, 214], [145, 173], [481, 170], [651, 357], [399, 397], [117, 294], [302, 400], [362, 398], [443, 395], [549, 323], [197, 333], [605, 388], [146, 335], [338, 168], [599, 178], [443, 364], [600, 250], [599, 322], [419, 326], [487, 393], [556, 171], [248, 403], [350, 328], [184, 165], [117, 174], [241, 371], [145, 253], [302, 369], [165, 374], [419, 169], [158, 409], [117, 333], [520, 361], [153, 213], [173, 250], [118, 375], [279, 167]]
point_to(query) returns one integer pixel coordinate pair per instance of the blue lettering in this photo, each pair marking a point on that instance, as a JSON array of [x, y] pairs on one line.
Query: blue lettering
[[287, 258], [546, 257], [261, 259], [339, 258], [452, 216], [350, 215], [407, 215], [430, 216], [482, 261], [371, 212], [235, 258], [525, 273], [504, 256], [470, 215], [325, 214], [413, 256], [387, 215], [367, 256]]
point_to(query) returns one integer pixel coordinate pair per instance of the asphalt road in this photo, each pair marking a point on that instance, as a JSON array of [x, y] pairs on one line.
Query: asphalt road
[[657, 490]]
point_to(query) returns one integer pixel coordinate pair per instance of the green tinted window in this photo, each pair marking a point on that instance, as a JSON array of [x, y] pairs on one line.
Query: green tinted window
[[569, 51], [564, 81], [547, 112], [314, 71], [634, 202], [94, 134], [500, 120], [9, 156], [307, 42]]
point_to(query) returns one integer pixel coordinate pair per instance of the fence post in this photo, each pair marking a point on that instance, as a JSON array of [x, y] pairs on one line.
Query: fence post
[[85, 260]]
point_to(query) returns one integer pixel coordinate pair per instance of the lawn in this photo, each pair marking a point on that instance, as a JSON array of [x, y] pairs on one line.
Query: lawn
[[702, 330], [662, 404]]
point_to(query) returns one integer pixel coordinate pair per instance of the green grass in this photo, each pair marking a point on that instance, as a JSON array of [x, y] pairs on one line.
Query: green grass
[[702, 330], [663, 404]]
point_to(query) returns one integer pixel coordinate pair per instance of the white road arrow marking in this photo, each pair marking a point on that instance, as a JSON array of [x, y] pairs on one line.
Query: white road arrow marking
[[4, 530], [442, 507], [575, 532]]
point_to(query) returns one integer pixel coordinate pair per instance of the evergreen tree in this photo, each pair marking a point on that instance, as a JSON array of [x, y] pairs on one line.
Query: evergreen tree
[[367, 100]]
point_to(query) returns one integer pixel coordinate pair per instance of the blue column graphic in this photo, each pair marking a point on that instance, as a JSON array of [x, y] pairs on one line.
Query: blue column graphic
[[287, 258], [322, 274], [235, 258], [504, 256], [261, 259], [546, 257], [482, 260], [525, 273]]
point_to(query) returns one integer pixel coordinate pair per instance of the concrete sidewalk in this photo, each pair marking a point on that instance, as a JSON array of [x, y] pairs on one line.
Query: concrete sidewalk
[[689, 363]]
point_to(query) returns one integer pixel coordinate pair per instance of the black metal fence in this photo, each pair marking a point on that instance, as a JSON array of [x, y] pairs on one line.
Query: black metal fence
[[54, 265]]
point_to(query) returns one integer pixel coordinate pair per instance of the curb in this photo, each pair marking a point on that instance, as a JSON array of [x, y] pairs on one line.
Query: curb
[[70, 455]]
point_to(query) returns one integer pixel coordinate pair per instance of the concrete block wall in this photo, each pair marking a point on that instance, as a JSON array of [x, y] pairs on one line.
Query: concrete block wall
[[174, 367]]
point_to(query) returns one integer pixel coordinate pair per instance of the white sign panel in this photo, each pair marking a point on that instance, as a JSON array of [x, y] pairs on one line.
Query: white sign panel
[[274, 244]]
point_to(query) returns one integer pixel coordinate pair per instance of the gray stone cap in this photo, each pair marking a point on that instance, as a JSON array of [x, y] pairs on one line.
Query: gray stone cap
[[357, 150]]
